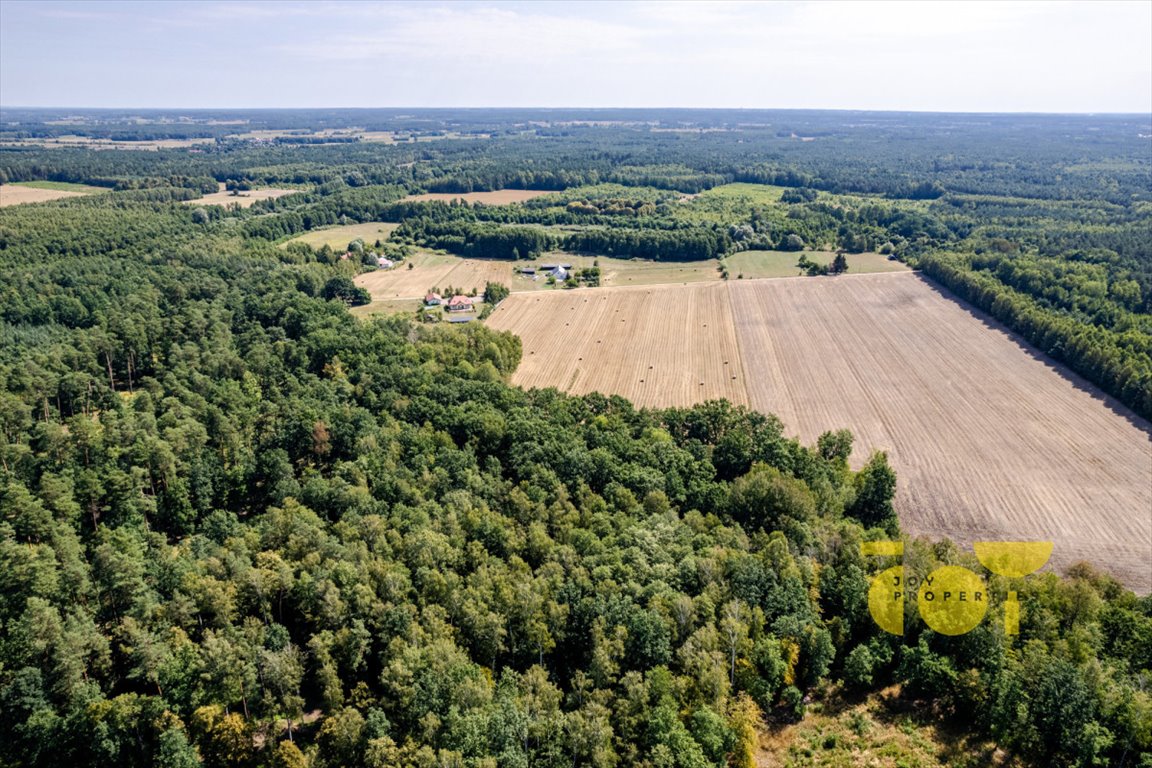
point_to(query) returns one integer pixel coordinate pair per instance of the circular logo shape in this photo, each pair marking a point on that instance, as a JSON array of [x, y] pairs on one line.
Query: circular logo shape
[[886, 600], [952, 600]]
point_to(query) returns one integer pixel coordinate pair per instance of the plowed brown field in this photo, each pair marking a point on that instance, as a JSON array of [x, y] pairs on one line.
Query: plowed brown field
[[990, 440]]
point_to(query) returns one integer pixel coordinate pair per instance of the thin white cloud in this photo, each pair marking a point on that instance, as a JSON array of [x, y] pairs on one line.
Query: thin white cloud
[[940, 55]]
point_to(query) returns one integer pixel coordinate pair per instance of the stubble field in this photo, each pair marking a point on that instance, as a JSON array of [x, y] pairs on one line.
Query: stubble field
[[665, 345], [42, 192], [990, 441]]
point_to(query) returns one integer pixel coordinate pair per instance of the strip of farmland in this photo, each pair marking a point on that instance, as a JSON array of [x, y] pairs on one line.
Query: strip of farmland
[[657, 345], [989, 439]]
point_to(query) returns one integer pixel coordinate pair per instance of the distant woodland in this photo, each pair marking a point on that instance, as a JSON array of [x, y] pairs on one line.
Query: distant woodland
[[241, 527]]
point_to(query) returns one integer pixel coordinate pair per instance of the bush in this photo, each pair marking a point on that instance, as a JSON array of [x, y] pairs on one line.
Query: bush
[[858, 668]]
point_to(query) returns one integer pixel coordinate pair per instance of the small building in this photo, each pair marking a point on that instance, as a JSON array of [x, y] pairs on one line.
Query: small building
[[548, 267], [559, 273], [433, 300], [460, 304], [463, 319], [528, 270], [385, 263]]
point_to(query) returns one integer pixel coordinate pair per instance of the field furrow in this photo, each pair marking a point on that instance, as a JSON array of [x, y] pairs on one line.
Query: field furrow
[[989, 440], [658, 345]]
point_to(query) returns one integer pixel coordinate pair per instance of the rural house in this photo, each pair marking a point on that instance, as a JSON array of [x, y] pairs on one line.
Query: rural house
[[433, 300], [460, 304], [385, 263]]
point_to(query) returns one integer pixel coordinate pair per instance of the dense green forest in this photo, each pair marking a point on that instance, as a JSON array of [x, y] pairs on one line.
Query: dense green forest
[[241, 527]]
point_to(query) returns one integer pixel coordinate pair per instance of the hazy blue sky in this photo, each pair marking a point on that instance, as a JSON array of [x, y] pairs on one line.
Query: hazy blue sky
[[964, 56]]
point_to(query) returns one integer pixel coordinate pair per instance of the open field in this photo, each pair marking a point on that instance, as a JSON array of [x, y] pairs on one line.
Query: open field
[[441, 269], [759, 194], [411, 306], [622, 272], [61, 142], [42, 191], [878, 730], [388, 307], [337, 238], [990, 441], [437, 270], [499, 197], [754, 264], [616, 340], [244, 199], [638, 272]]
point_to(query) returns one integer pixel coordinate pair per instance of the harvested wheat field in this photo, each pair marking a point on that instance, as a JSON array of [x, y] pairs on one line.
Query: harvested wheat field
[[15, 194], [244, 199], [434, 270], [499, 197], [990, 440], [666, 345]]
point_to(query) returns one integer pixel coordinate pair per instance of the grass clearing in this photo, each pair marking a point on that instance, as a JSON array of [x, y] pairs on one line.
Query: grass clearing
[[438, 270], [878, 730], [755, 194], [431, 269], [388, 307], [730, 202], [754, 264], [64, 186], [637, 272], [624, 272], [499, 197], [337, 238], [243, 199]]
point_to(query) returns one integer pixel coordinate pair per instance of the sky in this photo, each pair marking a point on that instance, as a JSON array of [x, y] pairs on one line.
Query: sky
[[929, 55]]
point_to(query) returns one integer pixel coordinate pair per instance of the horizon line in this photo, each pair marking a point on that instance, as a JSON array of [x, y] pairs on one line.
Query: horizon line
[[576, 108]]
